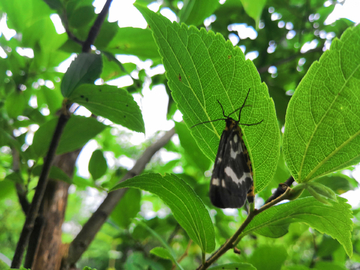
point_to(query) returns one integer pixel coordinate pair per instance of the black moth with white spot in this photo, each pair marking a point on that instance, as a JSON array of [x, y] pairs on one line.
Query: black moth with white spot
[[231, 181]]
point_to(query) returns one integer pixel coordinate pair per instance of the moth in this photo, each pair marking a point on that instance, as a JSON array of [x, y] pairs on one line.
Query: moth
[[231, 180]]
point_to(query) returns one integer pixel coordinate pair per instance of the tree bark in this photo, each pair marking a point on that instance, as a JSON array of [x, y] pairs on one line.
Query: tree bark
[[45, 248]]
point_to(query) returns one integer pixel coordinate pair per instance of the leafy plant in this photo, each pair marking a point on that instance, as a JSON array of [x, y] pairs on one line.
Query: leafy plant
[[319, 138]]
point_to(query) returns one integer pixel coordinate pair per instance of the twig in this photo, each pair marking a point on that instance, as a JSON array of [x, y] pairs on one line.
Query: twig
[[281, 189], [39, 194], [93, 225], [96, 27], [233, 240]]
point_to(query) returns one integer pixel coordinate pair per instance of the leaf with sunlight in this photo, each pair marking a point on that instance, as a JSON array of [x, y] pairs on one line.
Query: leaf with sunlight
[[334, 220], [115, 104], [322, 129], [202, 68], [185, 204]]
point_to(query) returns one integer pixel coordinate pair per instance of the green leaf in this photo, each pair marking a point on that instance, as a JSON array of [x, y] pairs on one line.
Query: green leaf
[[134, 41], [192, 150], [15, 104], [321, 192], [322, 131], [168, 250], [254, 9], [110, 102], [107, 32], [86, 68], [77, 132], [15, 177], [113, 68], [7, 188], [186, 206], [162, 253], [97, 164], [338, 182], [233, 266], [268, 257], [137, 261], [82, 16], [202, 68], [127, 208], [334, 220], [321, 265], [196, 11]]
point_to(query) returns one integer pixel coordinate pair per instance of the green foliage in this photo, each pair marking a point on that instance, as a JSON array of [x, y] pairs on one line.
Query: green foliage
[[274, 222], [321, 130], [268, 257], [111, 102], [320, 134], [202, 68], [127, 208], [185, 205], [97, 164], [86, 68], [233, 266], [78, 131]]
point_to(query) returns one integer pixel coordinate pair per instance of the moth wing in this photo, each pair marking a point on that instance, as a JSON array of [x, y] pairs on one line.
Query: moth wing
[[231, 179]]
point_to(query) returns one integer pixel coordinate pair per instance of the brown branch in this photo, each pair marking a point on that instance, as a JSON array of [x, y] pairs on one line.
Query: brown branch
[[94, 31], [39, 194], [281, 189], [93, 225]]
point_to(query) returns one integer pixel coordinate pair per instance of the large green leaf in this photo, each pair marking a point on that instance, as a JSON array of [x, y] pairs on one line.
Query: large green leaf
[[334, 220], [322, 128], [111, 102], [86, 68], [202, 68], [77, 132], [186, 206]]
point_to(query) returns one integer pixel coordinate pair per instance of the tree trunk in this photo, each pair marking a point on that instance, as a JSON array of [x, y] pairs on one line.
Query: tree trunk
[[45, 249]]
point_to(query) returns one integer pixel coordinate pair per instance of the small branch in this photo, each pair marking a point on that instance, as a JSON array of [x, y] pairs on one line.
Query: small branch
[[281, 189], [93, 225], [39, 194], [20, 190], [21, 193], [96, 27], [233, 240]]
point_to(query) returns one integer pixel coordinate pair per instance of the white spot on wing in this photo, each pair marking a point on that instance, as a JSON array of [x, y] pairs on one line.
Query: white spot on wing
[[215, 182], [233, 176], [235, 138], [223, 183], [233, 153]]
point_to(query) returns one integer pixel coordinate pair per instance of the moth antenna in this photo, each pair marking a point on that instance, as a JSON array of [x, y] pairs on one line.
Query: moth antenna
[[207, 122], [222, 108], [252, 124], [244, 103]]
